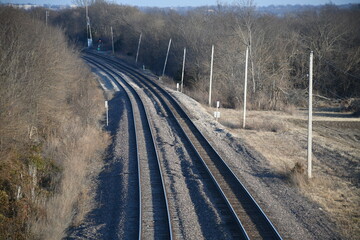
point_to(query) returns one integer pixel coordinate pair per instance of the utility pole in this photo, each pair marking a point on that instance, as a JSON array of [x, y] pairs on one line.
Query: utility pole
[[138, 49], [112, 40], [211, 73], [309, 153], [46, 17], [245, 84], [88, 27], [167, 54], [183, 70]]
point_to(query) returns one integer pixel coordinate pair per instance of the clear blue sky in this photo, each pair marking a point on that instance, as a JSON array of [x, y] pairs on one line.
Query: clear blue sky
[[176, 3]]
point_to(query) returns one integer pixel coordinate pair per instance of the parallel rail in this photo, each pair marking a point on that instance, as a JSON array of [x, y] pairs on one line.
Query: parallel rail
[[251, 220], [154, 213]]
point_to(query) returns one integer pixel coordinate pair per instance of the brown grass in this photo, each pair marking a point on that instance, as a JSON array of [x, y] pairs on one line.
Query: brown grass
[[283, 144], [51, 141]]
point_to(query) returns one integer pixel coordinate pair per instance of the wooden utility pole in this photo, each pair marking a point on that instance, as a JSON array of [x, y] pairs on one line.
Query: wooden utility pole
[[138, 49], [183, 70], [245, 84], [167, 55], [309, 153], [211, 73], [112, 40]]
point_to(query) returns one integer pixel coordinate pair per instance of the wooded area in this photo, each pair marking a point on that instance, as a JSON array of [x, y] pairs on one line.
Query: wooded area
[[278, 57]]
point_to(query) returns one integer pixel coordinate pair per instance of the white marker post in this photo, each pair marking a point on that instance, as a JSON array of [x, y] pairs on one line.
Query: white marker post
[[183, 70], [167, 55], [177, 87], [309, 153], [211, 73], [217, 113], [245, 84], [138, 49], [107, 113], [112, 40]]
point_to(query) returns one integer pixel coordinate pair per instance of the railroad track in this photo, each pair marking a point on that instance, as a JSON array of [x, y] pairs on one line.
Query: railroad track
[[248, 219], [154, 214]]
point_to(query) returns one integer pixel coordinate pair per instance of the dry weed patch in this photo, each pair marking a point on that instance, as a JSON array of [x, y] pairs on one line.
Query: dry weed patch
[[51, 142], [282, 140]]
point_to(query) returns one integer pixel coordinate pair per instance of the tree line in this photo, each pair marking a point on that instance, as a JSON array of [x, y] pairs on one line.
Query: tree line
[[278, 57]]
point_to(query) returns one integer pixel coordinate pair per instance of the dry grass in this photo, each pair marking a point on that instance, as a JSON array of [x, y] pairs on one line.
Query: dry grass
[[74, 200], [51, 141], [284, 145], [233, 119]]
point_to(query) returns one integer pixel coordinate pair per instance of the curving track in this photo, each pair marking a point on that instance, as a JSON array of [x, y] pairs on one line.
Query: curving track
[[246, 218], [154, 215]]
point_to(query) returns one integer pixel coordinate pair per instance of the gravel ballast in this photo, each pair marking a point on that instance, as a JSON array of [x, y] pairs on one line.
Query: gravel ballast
[[192, 203], [295, 216]]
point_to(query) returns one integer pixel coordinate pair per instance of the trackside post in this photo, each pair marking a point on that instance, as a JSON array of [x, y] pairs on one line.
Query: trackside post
[[183, 70], [245, 84], [107, 113], [167, 55], [211, 73], [309, 152]]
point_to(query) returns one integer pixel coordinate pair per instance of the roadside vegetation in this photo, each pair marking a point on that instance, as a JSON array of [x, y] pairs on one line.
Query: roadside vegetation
[[51, 140]]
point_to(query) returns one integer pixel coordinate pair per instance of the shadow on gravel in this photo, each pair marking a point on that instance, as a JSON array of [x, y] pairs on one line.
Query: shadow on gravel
[[211, 227], [104, 220]]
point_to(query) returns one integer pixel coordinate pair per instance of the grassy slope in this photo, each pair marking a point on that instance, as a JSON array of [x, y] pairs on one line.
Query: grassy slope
[[51, 140]]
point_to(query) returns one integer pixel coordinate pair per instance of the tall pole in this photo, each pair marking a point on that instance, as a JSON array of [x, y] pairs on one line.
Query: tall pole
[[138, 49], [309, 153], [46, 17], [86, 9], [167, 54], [245, 84], [88, 27], [211, 73], [112, 40], [87, 17], [183, 70]]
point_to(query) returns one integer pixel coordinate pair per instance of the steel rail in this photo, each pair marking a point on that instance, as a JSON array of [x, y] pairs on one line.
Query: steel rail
[[146, 124], [240, 233], [241, 201]]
